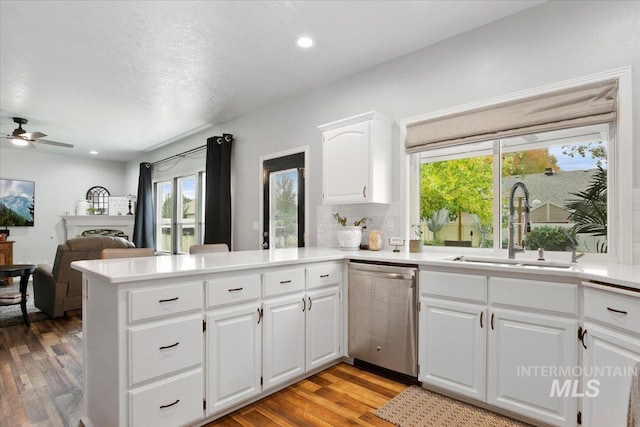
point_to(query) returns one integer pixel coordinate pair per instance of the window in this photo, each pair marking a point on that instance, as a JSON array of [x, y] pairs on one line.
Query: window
[[179, 206], [464, 191], [164, 209]]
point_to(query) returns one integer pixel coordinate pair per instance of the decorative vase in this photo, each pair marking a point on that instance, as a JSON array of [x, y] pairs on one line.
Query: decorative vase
[[415, 246], [349, 238]]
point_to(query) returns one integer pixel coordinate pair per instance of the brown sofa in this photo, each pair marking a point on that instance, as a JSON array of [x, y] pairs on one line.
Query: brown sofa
[[59, 289]]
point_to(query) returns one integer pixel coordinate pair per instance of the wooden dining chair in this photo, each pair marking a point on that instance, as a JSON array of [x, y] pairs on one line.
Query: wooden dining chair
[[208, 248]]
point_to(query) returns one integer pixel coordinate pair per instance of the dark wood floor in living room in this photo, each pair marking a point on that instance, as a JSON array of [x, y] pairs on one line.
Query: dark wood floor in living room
[[41, 385], [41, 373]]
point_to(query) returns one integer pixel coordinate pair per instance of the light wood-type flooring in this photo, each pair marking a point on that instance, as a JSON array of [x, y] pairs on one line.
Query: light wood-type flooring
[[41, 385]]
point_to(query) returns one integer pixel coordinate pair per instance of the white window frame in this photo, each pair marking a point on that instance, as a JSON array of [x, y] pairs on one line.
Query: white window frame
[[619, 164]]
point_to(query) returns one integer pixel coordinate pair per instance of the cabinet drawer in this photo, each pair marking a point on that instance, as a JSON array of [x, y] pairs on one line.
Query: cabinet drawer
[[323, 275], [283, 281], [169, 403], [613, 309], [233, 289], [164, 348], [453, 285], [164, 301], [539, 295]]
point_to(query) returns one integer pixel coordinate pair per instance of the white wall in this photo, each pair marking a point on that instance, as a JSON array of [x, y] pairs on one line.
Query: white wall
[[553, 42], [60, 182]]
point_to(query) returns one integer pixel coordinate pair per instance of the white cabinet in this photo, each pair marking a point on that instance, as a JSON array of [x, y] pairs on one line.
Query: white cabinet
[[356, 160], [518, 344], [453, 346], [612, 342], [284, 339], [483, 336], [452, 327], [234, 355], [322, 327], [302, 330]]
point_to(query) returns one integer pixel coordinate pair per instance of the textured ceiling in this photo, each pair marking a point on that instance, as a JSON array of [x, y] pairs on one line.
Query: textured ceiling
[[121, 77]]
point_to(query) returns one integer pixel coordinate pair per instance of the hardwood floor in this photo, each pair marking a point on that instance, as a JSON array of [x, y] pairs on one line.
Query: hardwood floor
[[339, 396], [41, 385], [41, 373]]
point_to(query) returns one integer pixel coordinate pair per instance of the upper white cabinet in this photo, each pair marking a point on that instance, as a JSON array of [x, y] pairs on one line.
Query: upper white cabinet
[[356, 160]]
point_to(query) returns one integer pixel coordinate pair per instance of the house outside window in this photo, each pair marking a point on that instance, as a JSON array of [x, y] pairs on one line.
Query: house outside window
[[464, 191]]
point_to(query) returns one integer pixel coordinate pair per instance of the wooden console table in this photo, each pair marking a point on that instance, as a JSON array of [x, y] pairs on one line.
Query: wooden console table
[[6, 257]]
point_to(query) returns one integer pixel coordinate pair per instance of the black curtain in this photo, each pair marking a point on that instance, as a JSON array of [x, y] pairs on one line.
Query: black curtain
[[144, 226], [217, 214]]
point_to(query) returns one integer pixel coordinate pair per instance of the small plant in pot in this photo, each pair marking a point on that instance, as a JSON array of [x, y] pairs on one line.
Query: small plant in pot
[[349, 236], [415, 243]]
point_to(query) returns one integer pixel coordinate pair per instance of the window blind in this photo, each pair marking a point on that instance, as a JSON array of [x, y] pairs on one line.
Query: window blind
[[580, 106]]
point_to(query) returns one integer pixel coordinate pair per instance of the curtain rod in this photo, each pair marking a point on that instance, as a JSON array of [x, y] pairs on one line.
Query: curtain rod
[[181, 155]]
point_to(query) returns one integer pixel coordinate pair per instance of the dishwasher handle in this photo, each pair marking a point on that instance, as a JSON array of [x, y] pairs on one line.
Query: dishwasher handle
[[384, 275]]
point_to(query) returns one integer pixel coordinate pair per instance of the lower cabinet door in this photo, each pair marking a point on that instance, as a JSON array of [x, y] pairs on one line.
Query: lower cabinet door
[[234, 340], [284, 339], [532, 359], [453, 342], [608, 370], [168, 403], [323, 327]]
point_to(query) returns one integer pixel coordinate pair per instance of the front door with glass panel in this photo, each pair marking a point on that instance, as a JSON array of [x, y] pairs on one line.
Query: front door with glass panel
[[283, 213]]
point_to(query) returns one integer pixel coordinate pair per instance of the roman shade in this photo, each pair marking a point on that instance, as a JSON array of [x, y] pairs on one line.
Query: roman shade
[[580, 106]]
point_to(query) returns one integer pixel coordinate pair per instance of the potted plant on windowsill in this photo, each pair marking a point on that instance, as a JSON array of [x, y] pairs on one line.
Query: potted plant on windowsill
[[415, 243], [349, 236]]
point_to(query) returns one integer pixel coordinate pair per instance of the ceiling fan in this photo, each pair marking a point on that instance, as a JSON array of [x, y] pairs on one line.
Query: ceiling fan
[[21, 137]]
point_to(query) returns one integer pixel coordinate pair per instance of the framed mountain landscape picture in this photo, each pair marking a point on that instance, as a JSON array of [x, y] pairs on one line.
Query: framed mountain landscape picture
[[17, 202]]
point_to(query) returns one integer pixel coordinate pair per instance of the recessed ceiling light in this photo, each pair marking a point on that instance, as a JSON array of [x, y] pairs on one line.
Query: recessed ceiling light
[[94, 152], [304, 42]]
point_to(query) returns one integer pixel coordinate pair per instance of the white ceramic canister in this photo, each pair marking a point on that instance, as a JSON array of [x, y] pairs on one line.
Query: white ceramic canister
[[81, 207]]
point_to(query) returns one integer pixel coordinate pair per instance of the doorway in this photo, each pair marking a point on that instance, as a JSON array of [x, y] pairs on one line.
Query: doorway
[[283, 201]]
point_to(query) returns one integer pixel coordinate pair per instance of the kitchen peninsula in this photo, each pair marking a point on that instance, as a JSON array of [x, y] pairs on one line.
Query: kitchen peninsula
[[185, 339]]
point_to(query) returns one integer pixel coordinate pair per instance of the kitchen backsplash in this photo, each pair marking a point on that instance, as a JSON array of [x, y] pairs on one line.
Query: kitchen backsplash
[[385, 218]]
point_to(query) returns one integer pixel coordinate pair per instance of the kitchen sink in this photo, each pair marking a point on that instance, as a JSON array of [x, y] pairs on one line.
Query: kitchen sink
[[513, 262]]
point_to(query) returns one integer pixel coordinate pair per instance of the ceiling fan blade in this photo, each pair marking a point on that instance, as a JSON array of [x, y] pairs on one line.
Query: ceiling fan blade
[[32, 136], [57, 144]]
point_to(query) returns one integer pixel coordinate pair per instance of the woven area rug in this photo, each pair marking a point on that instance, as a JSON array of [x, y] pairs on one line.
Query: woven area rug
[[12, 314], [418, 407]]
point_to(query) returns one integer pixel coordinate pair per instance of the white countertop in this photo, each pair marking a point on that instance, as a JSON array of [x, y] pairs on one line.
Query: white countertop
[[132, 269]]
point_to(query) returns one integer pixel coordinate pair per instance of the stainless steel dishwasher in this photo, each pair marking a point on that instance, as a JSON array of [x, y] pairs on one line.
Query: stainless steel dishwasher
[[383, 316]]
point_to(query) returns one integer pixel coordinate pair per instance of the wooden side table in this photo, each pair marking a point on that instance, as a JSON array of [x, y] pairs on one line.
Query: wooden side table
[[24, 271], [6, 257]]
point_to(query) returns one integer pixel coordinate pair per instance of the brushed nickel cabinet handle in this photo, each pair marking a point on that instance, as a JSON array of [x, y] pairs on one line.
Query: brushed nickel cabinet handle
[[481, 314], [304, 304], [364, 191], [309, 309], [170, 404], [324, 276], [492, 320], [617, 311], [259, 315], [169, 299], [235, 289], [284, 282], [164, 347]]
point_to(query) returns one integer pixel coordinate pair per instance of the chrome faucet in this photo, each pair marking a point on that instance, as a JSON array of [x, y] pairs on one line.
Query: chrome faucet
[[573, 242], [513, 247]]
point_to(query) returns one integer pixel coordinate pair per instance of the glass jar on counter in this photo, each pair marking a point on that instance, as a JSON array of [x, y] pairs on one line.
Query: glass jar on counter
[[375, 240]]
